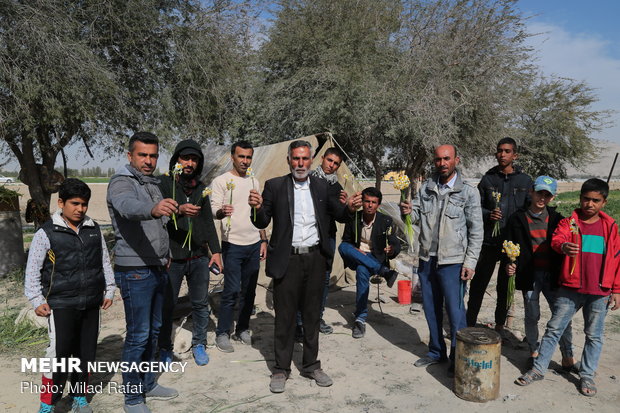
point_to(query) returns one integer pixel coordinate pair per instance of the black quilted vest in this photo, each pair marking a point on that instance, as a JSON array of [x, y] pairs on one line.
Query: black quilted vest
[[77, 280]]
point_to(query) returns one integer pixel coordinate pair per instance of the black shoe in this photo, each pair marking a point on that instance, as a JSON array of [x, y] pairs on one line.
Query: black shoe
[[359, 329], [391, 277], [325, 328], [299, 334]]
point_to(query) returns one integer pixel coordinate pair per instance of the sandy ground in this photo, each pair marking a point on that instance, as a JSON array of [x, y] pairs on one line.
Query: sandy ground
[[373, 374]]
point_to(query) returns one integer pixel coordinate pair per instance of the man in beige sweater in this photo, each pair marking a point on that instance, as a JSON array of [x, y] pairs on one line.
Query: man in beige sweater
[[243, 245]]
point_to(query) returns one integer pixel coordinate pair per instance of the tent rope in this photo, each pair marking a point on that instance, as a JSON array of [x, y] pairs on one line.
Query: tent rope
[[347, 155]]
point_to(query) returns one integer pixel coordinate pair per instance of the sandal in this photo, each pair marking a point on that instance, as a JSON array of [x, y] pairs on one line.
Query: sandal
[[529, 377], [587, 387]]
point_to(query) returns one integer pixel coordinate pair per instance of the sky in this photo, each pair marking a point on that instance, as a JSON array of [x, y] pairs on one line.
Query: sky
[[580, 39], [577, 39]]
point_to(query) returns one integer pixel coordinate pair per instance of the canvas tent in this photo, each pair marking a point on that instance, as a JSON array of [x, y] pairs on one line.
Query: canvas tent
[[269, 161]]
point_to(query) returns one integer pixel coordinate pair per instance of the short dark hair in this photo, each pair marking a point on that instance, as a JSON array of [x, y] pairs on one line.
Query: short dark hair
[[372, 191], [144, 137], [242, 145], [73, 188], [334, 151], [595, 185], [508, 141], [299, 144]]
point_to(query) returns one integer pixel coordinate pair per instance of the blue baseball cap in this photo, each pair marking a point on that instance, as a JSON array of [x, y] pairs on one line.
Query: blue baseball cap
[[546, 183]]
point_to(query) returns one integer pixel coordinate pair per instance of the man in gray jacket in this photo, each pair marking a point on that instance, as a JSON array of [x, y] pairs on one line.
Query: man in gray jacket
[[451, 232], [139, 214]]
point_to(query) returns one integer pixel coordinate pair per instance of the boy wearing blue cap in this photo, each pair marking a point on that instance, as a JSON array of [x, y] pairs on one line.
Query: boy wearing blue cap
[[537, 267]]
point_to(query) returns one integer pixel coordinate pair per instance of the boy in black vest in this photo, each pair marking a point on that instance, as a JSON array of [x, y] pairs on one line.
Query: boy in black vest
[[68, 278]]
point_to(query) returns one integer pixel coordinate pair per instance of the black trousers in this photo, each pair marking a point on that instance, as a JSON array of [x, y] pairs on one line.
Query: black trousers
[[301, 288], [73, 333], [489, 256]]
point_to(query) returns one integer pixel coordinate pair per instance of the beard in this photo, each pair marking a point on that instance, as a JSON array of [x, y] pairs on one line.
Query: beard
[[300, 173]]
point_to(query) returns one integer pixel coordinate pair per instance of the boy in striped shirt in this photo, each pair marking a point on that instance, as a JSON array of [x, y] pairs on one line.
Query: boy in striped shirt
[[538, 267]]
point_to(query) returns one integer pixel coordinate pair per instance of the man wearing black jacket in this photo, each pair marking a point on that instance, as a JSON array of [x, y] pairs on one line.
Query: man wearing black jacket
[[512, 185], [191, 237], [301, 206], [367, 249]]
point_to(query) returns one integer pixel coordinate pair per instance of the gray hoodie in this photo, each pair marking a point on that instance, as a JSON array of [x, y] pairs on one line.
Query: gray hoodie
[[141, 240]]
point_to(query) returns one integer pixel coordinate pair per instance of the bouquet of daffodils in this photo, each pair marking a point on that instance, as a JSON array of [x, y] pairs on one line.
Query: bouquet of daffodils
[[402, 183], [574, 230], [176, 171], [496, 227], [188, 238], [512, 250]]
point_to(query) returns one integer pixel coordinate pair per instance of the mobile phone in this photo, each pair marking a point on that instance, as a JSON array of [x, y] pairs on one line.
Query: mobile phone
[[214, 268]]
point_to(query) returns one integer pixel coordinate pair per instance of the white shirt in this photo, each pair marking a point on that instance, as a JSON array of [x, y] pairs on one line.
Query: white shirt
[[237, 229], [305, 233]]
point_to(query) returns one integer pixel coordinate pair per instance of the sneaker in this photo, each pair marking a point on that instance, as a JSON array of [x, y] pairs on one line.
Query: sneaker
[[320, 377], [136, 408], [160, 392], [425, 362], [165, 356], [359, 329], [277, 383], [46, 408], [325, 328], [245, 337], [299, 334], [200, 355], [222, 342], [80, 405], [391, 277]]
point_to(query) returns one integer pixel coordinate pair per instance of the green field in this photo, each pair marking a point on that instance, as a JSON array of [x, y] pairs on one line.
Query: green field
[[567, 201]]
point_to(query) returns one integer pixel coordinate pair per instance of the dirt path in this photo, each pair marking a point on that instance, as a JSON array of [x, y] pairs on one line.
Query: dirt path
[[373, 374]]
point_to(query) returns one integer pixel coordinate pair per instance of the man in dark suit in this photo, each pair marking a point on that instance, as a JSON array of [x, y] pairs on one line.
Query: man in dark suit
[[366, 249], [301, 207]]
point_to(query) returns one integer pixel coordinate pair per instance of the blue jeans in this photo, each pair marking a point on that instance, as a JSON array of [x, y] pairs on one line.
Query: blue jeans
[[364, 265], [531, 300], [142, 291], [567, 303], [197, 273], [241, 265], [441, 283], [328, 274]]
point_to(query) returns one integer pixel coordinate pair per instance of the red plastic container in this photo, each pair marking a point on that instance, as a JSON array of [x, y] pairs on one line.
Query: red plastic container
[[404, 292]]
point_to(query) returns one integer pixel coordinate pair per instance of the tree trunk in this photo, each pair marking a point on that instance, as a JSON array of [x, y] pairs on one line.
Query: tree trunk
[[30, 171]]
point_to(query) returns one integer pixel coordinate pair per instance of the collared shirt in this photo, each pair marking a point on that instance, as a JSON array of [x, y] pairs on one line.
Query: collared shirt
[[443, 188], [305, 233], [365, 240]]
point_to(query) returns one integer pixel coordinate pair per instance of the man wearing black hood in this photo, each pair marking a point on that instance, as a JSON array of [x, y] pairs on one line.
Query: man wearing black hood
[[192, 234], [503, 190]]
